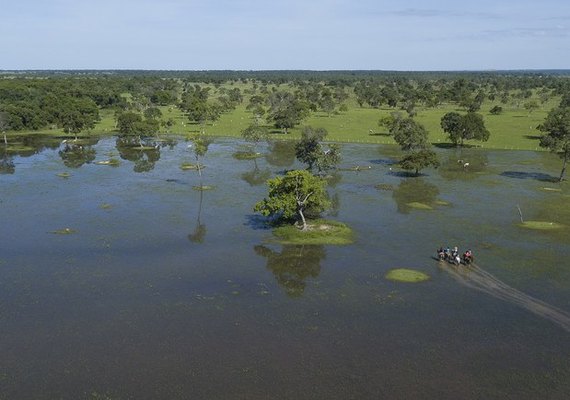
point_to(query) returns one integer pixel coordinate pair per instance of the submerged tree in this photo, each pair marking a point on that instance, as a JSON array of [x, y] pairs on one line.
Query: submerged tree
[[310, 151], [200, 148], [418, 160], [254, 134], [290, 196], [557, 134]]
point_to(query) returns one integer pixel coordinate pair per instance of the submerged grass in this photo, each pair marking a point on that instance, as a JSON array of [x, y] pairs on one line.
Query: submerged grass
[[318, 232], [406, 275], [541, 225]]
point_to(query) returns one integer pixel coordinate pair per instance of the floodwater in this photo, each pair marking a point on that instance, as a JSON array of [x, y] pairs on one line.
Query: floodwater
[[123, 282]]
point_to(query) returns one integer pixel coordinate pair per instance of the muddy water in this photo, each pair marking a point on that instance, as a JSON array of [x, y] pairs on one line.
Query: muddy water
[[162, 291]]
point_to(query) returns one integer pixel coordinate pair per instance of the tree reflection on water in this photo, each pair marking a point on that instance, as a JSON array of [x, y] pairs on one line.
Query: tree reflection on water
[[293, 265], [414, 190]]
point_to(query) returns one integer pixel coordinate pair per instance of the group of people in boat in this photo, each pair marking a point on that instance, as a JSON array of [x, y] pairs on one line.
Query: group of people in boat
[[452, 255]]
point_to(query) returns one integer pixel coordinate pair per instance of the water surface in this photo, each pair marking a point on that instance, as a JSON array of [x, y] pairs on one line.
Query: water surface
[[163, 291]]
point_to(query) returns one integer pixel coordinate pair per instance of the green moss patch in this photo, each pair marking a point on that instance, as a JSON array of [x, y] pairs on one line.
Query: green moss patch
[[406, 275], [419, 206], [541, 225], [318, 232]]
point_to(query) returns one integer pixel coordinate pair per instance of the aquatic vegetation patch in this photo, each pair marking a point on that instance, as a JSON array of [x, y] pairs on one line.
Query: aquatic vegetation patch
[[407, 275], [550, 189], [419, 206], [64, 231], [541, 225], [442, 203], [106, 206], [318, 232], [190, 166], [64, 175]]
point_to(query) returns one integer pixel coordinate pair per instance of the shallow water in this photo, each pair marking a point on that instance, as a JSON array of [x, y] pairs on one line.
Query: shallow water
[[164, 291]]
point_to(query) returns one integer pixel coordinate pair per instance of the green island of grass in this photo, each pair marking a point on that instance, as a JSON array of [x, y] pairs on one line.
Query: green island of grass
[[318, 232], [406, 275], [64, 231], [541, 225], [419, 206]]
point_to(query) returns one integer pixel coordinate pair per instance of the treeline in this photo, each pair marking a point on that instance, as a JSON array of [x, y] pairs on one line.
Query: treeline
[[72, 100]]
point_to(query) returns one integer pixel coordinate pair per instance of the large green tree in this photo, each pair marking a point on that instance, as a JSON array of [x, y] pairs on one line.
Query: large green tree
[[557, 134], [290, 196], [78, 115], [464, 127], [286, 110], [418, 160]]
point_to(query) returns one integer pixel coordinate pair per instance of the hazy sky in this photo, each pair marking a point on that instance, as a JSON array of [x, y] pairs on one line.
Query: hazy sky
[[278, 34]]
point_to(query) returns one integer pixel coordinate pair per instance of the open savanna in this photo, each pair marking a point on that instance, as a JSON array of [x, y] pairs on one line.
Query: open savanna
[[514, 129]]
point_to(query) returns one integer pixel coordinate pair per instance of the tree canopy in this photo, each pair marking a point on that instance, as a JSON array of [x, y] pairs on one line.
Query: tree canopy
[[418, 160], [557, 134], [464, 127], [310, 150], [290, 196]]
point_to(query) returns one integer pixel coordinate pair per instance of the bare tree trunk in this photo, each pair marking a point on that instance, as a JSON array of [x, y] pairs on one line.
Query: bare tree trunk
[[303, 219], [199, 171]]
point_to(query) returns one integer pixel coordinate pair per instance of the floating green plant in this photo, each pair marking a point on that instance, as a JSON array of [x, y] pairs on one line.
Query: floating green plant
[[64, 231], [442, 203], [419, 206], [106, 206], [550, 189], [406, 275], [317, 232], [64, 175], [541, 225]]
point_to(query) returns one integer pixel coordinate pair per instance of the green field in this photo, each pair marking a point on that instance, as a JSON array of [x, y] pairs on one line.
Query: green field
[[513, 129]]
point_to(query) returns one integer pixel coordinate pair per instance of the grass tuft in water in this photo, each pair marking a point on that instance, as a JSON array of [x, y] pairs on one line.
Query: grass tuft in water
[[406, 275], [541, 225], [64, 231], [419, 206], [318, 232]]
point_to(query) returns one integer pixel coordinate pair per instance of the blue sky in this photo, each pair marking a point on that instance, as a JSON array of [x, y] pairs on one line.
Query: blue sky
[[292, 34]]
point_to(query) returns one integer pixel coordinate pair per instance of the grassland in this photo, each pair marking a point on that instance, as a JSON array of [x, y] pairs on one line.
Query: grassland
[[513, 129]]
